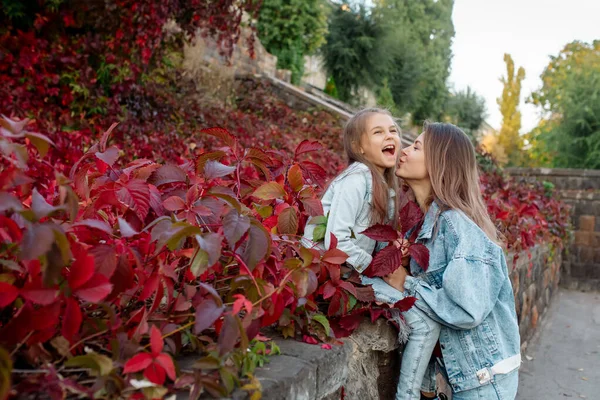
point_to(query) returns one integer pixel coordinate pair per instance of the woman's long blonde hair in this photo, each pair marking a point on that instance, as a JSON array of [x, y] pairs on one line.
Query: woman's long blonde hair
[[354, 129], [452, 167]]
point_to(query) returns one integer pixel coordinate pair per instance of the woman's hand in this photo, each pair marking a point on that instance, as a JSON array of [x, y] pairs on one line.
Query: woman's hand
[[396, 279]]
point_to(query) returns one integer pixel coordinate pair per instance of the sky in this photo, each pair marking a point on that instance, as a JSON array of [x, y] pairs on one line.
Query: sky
[[529, 30]]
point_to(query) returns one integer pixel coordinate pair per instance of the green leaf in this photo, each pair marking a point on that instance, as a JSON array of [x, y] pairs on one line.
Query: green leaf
[[199, 263], [318, 220], [323, 321], [100, 364], [269, 191], [319, 233], [5, 372]]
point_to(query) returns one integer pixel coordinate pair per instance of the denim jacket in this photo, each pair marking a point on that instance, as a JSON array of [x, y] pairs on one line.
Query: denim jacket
[[467, 290], [348, 200]]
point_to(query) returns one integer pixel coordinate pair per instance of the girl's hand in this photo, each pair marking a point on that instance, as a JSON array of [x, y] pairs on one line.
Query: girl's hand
[[403, 244], [397, 278]]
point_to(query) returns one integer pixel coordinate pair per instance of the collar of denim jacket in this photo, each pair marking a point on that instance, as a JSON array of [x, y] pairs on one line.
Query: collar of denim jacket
[[429, 221]]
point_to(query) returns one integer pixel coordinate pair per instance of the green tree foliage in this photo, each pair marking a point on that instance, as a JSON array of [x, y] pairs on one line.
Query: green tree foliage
[[466, 109], [353, 53], [291, 29], [509, 137], [385, 98], [570, 96], [418, 38]]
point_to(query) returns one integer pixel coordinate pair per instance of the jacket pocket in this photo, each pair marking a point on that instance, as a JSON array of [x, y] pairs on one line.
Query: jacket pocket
[[488, 338]]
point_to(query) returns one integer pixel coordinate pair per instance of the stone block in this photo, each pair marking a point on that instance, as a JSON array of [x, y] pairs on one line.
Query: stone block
[[583, 238], [587, 223], [586, 255], [534, 317], [597, 256]]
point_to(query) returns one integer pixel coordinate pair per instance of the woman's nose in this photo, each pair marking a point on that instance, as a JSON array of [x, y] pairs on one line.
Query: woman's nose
[[404, 151]]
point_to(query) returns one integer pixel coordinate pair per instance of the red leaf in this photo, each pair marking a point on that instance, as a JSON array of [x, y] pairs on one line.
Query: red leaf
[[333, 242], [241, 302], [257, 246], [326, 346], [365, 294], [174, 203], [166, 362], [150, 287], [287, 222], [110, 156], [295, 178], [37, 293], [334, 305], [230, 332], [351, 321], [420, 253], [137, 363], [274, 311], [376, 313], [381, 233], [167, 174], [156, 341], [405, 304], [410, 215], [307, 146], [205, 157], [155, 373], [234, 226], [105, 259], [81, 270], [313, 207], [349, 287], [335, 256], [135, 194], [386, 261], [95, 290], [309, 339], [8, 294], [96, 224], [315, 171], [207, 313], [71, 319], [222, 134], [328, 290], [45, 317]]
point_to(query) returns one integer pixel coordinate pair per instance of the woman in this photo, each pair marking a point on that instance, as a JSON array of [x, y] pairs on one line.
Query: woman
[[466, 287]]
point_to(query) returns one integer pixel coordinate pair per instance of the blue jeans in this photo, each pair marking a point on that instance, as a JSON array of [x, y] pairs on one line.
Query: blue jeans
[[416, 372], [501, 387]]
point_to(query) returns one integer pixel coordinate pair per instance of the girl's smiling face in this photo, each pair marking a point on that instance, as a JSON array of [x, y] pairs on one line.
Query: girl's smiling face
[[411, 165], [380, 143]]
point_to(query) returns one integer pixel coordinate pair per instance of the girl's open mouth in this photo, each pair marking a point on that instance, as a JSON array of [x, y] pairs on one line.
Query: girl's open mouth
[[390, 149]]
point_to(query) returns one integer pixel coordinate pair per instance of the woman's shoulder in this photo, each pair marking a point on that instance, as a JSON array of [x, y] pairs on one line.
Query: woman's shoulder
[[470, 241]]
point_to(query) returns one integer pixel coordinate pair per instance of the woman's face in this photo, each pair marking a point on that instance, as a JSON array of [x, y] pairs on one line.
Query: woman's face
[[381, 142], [411, 166]]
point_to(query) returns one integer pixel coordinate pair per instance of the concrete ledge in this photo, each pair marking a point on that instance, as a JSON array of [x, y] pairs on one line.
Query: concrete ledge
[[553, 172]]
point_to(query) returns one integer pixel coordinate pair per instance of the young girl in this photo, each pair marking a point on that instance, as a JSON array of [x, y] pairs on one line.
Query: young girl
[[466, 287], [364, 195]]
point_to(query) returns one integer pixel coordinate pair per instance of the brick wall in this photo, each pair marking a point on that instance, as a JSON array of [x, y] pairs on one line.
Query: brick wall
[[581, 190]]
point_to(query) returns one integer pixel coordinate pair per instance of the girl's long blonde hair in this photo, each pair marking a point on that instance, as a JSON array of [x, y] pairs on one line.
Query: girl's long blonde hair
[[452, 167], [354, 129]]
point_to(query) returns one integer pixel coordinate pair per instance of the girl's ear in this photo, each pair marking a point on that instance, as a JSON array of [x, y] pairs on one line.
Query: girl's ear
[[357, 149]]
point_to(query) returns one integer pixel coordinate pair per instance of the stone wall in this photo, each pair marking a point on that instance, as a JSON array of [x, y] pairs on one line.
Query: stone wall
[[367, 364], [581, 190], [535, 277]]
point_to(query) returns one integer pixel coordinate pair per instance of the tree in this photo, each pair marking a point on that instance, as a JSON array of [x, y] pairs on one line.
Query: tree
[[509, 137], [569, 135], [418, 38], [466, 109], [353, 53], [291, 29]]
